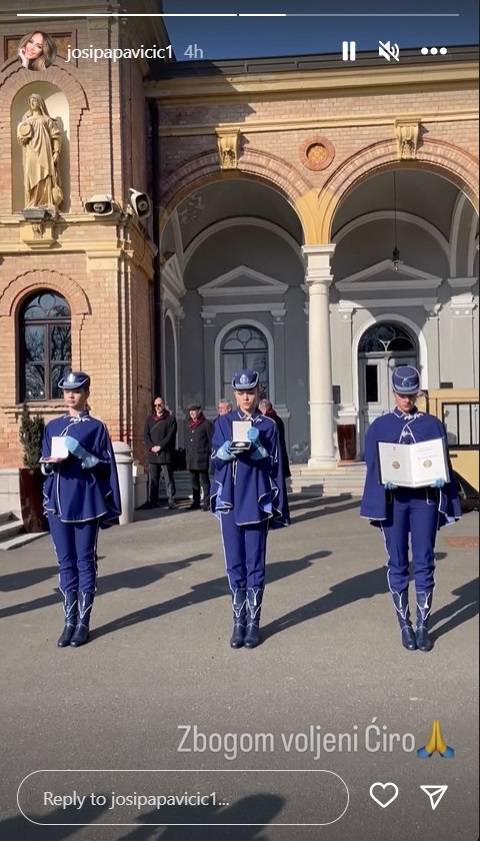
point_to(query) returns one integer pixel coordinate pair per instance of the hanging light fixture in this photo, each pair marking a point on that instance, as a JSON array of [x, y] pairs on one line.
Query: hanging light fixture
[[395, 252]]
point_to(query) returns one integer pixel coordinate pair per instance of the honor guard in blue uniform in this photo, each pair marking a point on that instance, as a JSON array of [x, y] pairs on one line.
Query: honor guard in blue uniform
[[248, 497], [403, 513], [81, 495]]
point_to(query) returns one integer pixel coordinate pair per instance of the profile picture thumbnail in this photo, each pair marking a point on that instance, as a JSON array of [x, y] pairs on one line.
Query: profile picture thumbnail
[[37, 50]]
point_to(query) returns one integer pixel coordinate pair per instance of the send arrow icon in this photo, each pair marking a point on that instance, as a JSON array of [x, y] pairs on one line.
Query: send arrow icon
[[435, 794]]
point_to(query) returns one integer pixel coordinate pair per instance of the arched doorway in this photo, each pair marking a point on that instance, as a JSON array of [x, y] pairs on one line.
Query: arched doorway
[[383, 346]]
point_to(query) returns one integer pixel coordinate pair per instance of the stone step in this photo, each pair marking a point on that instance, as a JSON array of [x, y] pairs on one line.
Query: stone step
[[12, 533], [183, 484], [9, 528], [21, 539], [345, 478], [350, 469]]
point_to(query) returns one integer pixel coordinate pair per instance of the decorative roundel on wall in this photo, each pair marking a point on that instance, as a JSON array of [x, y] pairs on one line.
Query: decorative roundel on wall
[[317, 153]]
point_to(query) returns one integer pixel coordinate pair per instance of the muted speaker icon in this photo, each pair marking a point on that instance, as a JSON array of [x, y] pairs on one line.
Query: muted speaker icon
[[389, 51]]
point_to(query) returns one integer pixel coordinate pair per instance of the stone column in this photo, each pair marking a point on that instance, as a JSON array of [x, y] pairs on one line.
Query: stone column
[[318, 278], [279, 351], [431, 332], [462, 313], [179, 317], [346, 310], [210, 331]]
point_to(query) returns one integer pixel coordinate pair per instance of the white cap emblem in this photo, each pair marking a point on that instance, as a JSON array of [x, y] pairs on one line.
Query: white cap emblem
[[244, 379]]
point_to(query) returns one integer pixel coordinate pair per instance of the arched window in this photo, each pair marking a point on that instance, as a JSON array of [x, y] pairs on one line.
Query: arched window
[[386, 338], [244, 347], [46, 353]]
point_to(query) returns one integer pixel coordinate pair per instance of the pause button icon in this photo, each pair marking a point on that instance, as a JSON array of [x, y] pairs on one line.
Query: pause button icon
[[349, 50]]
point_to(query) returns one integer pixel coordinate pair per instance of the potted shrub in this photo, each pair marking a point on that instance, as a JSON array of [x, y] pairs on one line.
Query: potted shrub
[[31, 478]]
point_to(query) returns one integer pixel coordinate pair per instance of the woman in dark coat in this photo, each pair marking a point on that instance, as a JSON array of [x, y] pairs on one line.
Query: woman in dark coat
[[198, 445]]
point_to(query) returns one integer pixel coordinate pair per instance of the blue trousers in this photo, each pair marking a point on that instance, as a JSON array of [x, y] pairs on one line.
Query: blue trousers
[[76, 549], [412, 514], [244, 548]]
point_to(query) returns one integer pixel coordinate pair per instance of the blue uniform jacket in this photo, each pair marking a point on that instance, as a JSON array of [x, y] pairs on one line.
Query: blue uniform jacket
[[396, 427], [76, 494], [254, 490]]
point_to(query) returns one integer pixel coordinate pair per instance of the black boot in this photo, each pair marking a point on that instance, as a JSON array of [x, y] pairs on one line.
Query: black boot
[[239, 606], [400, 600], [70, 611], [254, 607], [424, 606], [82, 631]]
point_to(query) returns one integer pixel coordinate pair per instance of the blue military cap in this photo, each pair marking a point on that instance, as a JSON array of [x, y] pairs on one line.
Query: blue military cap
[[405, 380], [245, 380], [74, 380]]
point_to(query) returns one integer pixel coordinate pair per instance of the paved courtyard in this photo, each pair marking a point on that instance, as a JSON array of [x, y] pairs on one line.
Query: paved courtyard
[[158, 670]]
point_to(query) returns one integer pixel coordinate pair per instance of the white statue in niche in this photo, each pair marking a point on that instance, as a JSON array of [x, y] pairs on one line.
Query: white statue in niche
[[41, 139]]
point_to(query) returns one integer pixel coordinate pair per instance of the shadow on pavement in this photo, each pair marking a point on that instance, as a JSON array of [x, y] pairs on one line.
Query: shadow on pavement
[[19, 829], [261, 808], [312, 515], [132, 578], [264, 806], [452, 615], [363, 586], [25, 578], [297, 503], [143, 515], [203, 592]]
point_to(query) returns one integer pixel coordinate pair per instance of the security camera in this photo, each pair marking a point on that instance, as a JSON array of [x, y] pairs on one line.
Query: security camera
[[140, 203], [101, 205]]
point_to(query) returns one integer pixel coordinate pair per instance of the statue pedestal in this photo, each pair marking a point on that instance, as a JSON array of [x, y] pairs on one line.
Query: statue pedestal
[[38, 229], [36, 214]]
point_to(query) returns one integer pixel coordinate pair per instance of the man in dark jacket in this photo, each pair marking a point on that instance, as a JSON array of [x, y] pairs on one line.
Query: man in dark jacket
[[198, 445], [159, 436]]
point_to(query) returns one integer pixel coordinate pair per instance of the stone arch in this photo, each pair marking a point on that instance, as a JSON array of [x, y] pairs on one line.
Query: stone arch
[[26, 283], [204, 168], [12, 79], [235, 222], [438, 156], [401, 215]]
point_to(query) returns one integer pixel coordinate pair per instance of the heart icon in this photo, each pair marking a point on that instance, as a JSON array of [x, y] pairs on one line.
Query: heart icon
[[383, 786]]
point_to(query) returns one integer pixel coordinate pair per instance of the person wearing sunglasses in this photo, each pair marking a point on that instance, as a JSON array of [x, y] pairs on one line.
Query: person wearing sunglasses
[[160, 434]]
